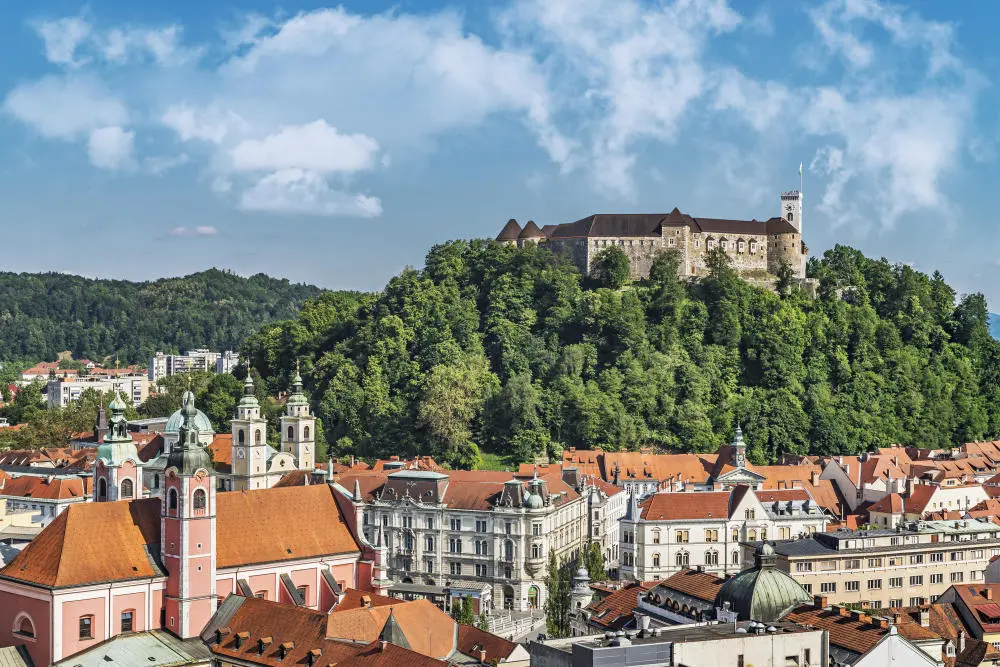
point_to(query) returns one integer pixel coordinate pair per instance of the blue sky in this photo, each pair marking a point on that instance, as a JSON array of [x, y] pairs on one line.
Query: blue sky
[[334, 144]]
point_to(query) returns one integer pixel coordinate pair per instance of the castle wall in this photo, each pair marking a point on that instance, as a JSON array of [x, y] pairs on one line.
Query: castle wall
[[640, 252], [575, 249], [786, 248], [748, 252]]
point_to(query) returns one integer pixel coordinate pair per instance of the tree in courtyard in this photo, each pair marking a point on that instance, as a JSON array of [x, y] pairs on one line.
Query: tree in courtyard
[[558, 603], [593, 560]]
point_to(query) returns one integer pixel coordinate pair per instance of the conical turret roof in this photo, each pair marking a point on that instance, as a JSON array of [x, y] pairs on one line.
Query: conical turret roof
[[530, 231], [510, 231]]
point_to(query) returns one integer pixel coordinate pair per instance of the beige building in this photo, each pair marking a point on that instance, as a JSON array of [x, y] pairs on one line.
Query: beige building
[[910, 565]]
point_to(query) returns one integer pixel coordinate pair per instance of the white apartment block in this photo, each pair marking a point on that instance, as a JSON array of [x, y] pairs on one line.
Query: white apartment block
[[488, 534], [62, 392], [909, 565], [669, 532], [161, 365]]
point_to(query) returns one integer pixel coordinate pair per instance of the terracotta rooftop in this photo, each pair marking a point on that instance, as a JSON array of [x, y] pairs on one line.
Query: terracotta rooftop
[[472, 640], [615, 610], [298, 631], [686, 505], [428, 630], [222, 452], [854, 632], [355, 599], [66, 552], [701, 585]]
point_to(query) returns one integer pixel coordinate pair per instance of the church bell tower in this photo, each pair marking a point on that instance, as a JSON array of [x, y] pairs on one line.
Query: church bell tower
[[298, 427]]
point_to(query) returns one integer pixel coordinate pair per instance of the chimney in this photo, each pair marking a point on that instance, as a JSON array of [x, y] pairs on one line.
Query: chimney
[[882, 623], [897, 618], [381, 646], [961, 641], [988, 593], [482, 656], [925, 618], [814, 478], [821, 601]]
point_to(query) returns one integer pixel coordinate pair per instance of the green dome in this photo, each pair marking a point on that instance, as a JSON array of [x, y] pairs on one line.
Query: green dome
[[203, 423], [762, 593], [189, 456]]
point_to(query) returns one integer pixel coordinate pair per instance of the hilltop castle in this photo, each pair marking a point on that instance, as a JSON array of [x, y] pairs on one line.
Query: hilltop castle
[[757, 248]]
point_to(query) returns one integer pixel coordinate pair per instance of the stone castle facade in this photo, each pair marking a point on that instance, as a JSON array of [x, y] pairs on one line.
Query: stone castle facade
[[757, 248]]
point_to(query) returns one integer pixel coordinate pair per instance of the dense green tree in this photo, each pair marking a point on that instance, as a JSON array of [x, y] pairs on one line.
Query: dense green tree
[[464, 612], [610, 267], [558, 605], [593, 560]]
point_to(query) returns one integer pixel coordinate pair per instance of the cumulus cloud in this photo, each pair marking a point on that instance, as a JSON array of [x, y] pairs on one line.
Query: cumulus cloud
[[300, 191], [111, 148], [65, 108], [315, 146], [62, 37]]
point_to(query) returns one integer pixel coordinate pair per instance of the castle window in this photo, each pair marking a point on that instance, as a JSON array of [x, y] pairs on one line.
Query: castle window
[[753, 247], [791, 216], [724, 244], [305, 432], [742, 246], [710, 244], [199, 501], [172, 499], [697, 244], [671, 241], [127, 488]]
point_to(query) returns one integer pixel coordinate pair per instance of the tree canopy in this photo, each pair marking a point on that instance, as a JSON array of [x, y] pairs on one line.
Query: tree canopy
[[44, 314], [492, 348]]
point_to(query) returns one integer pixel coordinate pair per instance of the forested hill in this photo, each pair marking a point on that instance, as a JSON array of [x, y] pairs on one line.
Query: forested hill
[[511, 351], [46, 313]]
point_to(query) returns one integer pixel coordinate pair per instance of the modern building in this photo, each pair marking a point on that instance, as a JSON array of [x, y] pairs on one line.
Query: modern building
[[910, 565], [40, 495], [706, 645], [476, 533], [161, 365], [60, 392]]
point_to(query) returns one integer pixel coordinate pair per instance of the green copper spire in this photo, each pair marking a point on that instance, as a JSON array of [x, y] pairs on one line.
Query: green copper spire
[[117, 446], [297, 397], [188, 456], [249, 399]]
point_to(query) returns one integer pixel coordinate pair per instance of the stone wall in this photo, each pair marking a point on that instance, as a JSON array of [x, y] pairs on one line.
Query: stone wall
[[640, 252], [785, 248]]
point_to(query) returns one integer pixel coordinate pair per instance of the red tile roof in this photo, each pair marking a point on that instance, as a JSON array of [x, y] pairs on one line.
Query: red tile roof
[[701, 585], [848, 631], [686, 505], [614, 611], [355, 599], [471, 641], [428, 630], [43, 488]]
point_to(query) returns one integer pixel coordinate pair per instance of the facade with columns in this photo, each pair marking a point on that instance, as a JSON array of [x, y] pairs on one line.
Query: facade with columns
[[105, 568]]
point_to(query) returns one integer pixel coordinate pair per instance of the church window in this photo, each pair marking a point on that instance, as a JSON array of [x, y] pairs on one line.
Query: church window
[[86, 627], [291, 433], [102, 489], [256, 437], [127, 488], [23, 627], [241, 437], [172, 499], [199, 501], [127, 617], [305, 432]]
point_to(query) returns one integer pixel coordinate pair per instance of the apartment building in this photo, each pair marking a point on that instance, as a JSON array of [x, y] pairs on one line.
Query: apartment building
[[910, 565], [669, 532], [162, 365], [485, 534], [60, 392]]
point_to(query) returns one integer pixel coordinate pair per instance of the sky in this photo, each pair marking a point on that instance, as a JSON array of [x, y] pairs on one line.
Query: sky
[[335, 144]]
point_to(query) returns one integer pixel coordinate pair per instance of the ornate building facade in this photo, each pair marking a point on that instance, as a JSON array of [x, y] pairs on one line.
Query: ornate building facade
[[757, 248]]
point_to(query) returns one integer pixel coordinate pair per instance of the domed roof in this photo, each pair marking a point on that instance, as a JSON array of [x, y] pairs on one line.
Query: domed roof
[[188, 457], [533, 502], [762, 593], [203, 423]]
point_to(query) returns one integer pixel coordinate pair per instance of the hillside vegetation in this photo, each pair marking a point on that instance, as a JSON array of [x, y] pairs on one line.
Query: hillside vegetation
[[44, 314], [495, 349]]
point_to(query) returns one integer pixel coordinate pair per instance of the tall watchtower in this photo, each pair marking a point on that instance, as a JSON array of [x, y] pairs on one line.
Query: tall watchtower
[[791, 208]]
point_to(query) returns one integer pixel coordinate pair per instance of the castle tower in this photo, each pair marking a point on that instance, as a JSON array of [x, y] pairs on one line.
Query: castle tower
[[118, 470], [298, 427], [249, 442], [791, 208], [187, 542]]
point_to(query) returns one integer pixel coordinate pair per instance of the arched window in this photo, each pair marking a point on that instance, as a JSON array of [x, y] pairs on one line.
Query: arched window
[[102, 489], [536, 550], [683, 559], [127, 488], [791, 216], [199, 500], [712, 558], [508, 550], [751, 535], [172, 499], [241, 437], [291, 433], [736, 558], [256, 437], [656, 560], [24, 627], [305, 432]]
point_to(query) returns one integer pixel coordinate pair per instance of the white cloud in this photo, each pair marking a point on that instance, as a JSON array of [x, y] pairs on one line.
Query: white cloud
[[634, 70], [111, 148], [65, 107], [163, 45], [62, 37], [299, 191], [187, 232], [209, 124], [315, 147]]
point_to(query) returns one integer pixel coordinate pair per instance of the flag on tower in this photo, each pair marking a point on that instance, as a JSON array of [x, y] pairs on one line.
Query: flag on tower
[[800, 168]]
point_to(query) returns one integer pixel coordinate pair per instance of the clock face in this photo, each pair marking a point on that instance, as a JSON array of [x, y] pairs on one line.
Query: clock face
[[788, 207]]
